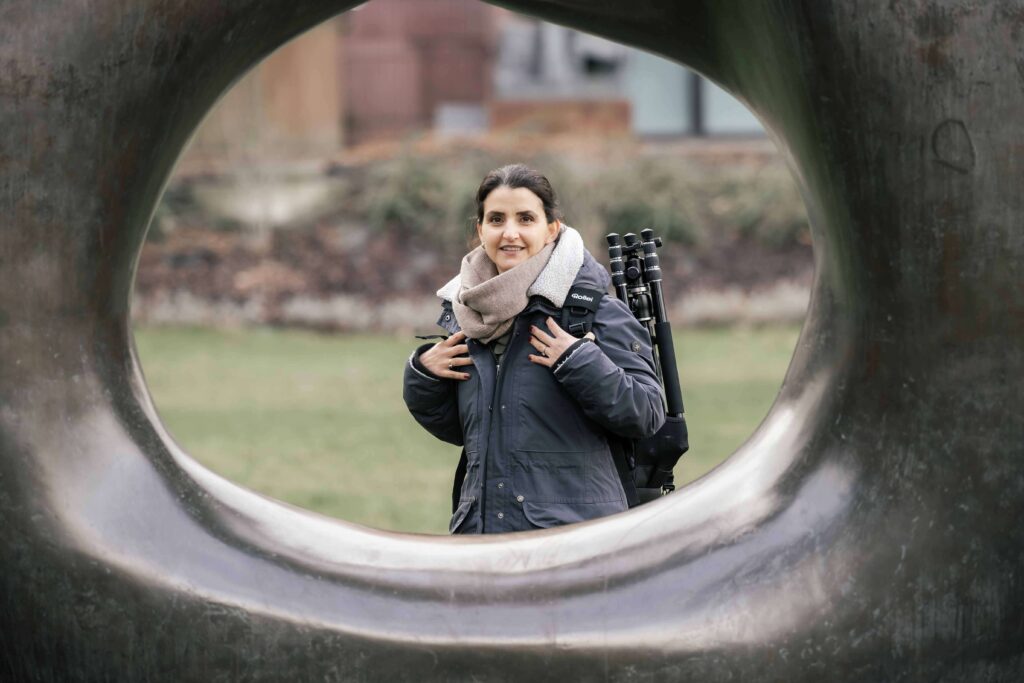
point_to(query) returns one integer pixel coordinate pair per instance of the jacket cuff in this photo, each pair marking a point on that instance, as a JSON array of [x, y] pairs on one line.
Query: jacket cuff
[[569, 353], [418, 368]]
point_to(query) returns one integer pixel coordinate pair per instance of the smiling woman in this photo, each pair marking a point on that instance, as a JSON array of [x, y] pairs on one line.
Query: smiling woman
[[517, 215], [534, 408]]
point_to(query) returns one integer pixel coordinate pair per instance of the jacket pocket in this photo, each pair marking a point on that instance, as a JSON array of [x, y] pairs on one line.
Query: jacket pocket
[[550, 476], [546, 515], [587, 477]]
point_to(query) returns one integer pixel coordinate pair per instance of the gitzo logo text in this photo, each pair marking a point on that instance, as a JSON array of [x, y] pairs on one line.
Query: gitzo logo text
[[581, 297]]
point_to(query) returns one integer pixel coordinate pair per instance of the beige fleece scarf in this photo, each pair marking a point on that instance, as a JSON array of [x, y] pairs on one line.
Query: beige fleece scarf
[[487, 301]]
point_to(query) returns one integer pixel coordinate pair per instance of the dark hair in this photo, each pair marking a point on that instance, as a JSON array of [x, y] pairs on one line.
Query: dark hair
[[515, 176]]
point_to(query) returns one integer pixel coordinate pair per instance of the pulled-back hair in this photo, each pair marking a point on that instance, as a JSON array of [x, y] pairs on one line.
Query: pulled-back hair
[[516, 176]]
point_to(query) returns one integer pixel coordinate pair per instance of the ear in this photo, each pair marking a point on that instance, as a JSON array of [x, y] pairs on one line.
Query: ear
[[480, 231], [553, 228]]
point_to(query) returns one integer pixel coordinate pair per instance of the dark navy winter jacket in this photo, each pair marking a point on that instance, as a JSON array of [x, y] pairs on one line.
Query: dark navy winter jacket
[[536, 440]]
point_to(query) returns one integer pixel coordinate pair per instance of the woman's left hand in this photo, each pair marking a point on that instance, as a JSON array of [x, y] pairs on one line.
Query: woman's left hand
[[550, 346]]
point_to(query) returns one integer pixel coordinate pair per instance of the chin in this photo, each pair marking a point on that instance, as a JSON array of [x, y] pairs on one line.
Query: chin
[[503, 263]]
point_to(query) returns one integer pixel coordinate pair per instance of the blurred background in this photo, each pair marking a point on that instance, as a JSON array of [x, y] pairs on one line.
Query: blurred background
[[329, 194]]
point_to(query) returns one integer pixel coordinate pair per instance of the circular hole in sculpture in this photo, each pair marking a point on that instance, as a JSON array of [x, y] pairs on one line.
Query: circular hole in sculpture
[[297, 249]]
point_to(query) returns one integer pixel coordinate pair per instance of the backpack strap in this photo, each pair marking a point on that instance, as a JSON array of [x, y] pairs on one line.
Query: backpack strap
[[579, 310]]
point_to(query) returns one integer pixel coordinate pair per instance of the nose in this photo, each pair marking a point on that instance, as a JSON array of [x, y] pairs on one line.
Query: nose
[[511, 233]]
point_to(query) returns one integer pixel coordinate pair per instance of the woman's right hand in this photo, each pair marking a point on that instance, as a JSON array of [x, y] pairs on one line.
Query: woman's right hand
[[444, 357]]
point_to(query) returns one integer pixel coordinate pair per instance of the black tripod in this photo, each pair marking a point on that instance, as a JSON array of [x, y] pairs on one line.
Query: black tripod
[[636, 276]]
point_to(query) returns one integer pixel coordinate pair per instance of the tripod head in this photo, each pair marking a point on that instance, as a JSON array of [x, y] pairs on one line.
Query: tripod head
[[636, 275]]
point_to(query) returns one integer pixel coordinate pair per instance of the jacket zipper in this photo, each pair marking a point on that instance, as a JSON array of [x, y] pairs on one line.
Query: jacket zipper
[[495, 399], [499, 380]]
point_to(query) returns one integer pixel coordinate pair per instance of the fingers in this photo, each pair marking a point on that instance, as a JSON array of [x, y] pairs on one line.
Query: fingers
[[548, 352], [445, 357], [550, 347], [454, 339], [459, 361], [451, 371], [456, 356], [452, 364], [541, 360], [555, 329], [540, 334], [539, 345], [446, 348]]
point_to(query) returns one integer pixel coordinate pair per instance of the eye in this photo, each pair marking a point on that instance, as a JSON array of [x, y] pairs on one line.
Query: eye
[[496, 218], [526, 218]]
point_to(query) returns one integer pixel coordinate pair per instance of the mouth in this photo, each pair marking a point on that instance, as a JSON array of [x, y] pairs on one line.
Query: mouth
[[511, 250]]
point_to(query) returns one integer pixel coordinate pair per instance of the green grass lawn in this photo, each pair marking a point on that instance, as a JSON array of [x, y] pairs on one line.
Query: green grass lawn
[[318, 420]]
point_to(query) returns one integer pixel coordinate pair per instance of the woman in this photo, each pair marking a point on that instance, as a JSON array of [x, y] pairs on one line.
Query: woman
[[533, 406]]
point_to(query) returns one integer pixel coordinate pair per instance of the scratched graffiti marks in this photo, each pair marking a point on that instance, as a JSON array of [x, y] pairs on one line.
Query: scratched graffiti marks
[[953, 147]]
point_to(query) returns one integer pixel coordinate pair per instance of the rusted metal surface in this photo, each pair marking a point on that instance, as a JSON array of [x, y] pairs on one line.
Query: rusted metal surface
[[869, 529]]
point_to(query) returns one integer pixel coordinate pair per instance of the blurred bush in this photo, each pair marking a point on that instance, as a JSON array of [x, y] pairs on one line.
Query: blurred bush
[[310, 246], [688, 202], [428, 196], [651, 194], [406, 195], [763, 204]]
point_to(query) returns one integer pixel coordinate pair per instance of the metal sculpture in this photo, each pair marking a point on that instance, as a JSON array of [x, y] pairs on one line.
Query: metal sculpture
[[869, 529]]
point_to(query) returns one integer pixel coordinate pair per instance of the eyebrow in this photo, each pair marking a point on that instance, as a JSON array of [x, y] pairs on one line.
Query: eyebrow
[[528, 212]]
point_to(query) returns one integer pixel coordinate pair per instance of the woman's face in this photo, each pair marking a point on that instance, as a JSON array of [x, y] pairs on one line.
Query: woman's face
[[514, 227]]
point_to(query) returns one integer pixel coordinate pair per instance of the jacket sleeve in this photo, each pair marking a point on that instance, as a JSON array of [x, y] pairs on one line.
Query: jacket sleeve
[[433, 401], [614, 380]]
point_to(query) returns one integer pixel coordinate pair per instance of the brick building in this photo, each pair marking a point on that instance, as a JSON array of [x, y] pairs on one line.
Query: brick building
[[466, 66], [287, 108], [392, 67], [417, 64]]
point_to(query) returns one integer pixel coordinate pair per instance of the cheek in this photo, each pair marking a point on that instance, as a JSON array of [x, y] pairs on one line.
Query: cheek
[[536, 244]]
